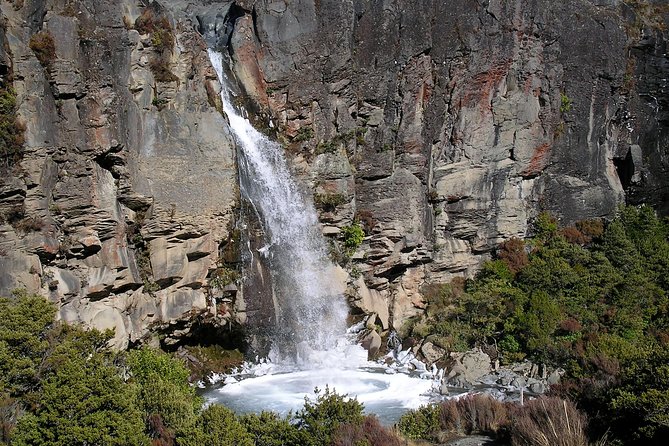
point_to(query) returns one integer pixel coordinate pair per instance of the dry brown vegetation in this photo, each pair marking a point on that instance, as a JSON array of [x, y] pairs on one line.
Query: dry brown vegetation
[[369, 433], [548, 422], [541, 422], [162, 40], [44, 47]]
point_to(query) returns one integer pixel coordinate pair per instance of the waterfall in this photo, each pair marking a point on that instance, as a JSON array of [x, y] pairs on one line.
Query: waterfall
[[310, 308]]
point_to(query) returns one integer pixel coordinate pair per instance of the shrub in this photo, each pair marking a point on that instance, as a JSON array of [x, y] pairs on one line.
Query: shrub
[[202, 361], [512, 252], [545, 225], [573, 235], [367, 220], [269, 429], [329, 202], [160, 67], [591, 229], [78, 395], [24, 323], [472, 414], [565, 103], [216, 426], [83, 401], [422, 423], [44, 47], [320, 419], [369, 433], [162, 40], [29, 224], [477, 414], [163, 388], [548, 422], [9, 413], [304, 134], [326, 147], [223, 276], [353, 236], [11, 130]]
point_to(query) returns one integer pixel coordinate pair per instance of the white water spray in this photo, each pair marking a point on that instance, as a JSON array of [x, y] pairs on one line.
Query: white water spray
[[311, 311]]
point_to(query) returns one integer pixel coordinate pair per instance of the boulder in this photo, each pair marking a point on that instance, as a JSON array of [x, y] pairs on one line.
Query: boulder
[[469, 366], [371, 341], [432, 353]]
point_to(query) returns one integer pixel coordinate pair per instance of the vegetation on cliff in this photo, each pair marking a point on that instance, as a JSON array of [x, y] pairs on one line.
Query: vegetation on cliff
[[589, 298]]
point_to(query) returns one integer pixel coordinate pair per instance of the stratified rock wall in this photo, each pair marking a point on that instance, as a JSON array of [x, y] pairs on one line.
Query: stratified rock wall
[[442, 126], [445, 126], [129, 178]]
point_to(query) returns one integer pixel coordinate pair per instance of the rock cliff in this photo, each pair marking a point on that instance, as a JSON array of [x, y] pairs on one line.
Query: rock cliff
[[127, 186], [443, 127]]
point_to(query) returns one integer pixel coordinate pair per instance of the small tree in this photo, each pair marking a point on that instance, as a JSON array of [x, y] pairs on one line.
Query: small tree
[[319, 419]]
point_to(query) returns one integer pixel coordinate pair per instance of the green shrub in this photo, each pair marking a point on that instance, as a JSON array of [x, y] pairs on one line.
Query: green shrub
[[216, 426], [545, 225], [63, 380], [269, 429], [422, 423], [83, 401], [163, 388], [329, 202], [326, 147], [565, 103], [223, 276], [162, 39], [353, 235], [320, 419], [304, 134], [25, 321]]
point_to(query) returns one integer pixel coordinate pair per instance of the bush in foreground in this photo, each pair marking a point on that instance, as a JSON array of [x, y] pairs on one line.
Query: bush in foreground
[[541, 422], [548, 422]]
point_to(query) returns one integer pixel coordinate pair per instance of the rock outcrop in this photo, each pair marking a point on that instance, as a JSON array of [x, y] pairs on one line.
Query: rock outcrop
[[444, 127], [128, 176], [441, 127]]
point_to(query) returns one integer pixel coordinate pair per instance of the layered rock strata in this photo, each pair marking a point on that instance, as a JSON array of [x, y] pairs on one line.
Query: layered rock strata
[[442, 127], [128, 176]]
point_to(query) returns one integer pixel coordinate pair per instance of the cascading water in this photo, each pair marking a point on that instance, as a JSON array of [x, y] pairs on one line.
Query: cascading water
[[309, 346], [311, 311]]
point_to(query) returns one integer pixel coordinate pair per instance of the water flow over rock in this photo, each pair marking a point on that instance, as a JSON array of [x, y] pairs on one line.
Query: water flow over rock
[[311, 311]]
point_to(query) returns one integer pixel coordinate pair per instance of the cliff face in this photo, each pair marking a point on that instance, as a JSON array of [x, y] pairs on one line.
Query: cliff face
[[441, 126], [127, 185], [445, 126]]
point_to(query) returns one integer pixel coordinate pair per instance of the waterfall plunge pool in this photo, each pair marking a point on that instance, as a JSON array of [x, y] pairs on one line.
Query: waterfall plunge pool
[[383, 392]]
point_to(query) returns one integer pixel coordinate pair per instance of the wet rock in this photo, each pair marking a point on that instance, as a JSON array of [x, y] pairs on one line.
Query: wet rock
[[371, 342], [371, 302]]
